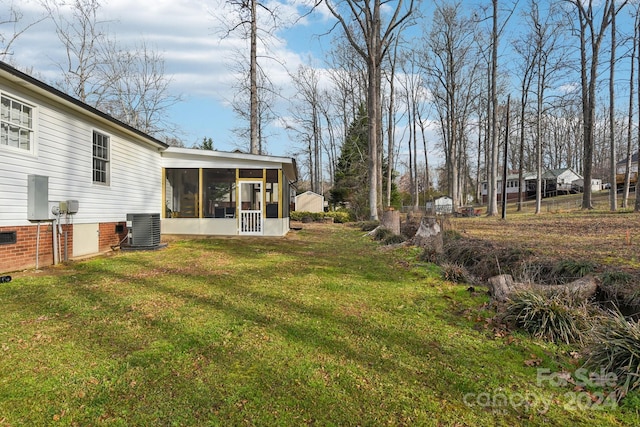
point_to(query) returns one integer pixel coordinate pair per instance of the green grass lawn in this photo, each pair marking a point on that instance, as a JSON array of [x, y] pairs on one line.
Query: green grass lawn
[[322, 327]]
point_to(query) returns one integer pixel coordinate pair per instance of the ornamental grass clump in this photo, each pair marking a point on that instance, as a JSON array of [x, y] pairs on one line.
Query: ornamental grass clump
[[455, 273], [614, 348], [551, 316]]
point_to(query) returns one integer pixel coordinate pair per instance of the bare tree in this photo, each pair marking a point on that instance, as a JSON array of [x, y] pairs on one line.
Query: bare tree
[[307, 114], [636, 207], [136, 89], [492, 206], [411, 82], [374, 47], [12, 17], [128, 83], [345, 96], [247, 21], [451, 68], [391, 117], [82, 36], [632, 55], [613, 190], [591, 34], [545, 36], [262, 116]]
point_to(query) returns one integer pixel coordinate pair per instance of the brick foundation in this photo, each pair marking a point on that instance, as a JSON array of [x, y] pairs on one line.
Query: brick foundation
[[109, 236], [22, 254]]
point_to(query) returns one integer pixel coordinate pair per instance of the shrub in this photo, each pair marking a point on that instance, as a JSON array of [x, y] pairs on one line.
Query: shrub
[[619, 287], [554, 317], [571, 269], [341, 217], [612, 278], [297, 215], [614, 348], [338, 216], [455, 273]]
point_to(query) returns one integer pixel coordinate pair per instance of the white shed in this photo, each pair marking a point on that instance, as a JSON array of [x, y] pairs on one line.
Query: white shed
[[309, 202], [441, 205]]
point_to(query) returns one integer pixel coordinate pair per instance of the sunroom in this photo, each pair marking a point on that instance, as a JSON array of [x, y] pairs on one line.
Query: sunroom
[[217, 193]]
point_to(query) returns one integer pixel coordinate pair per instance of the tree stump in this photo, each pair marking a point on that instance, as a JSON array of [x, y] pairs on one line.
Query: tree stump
[[391, 221], [500, 287], [429, 235]]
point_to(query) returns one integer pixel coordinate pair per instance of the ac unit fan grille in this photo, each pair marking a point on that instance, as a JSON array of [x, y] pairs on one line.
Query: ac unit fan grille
[[144, 230]]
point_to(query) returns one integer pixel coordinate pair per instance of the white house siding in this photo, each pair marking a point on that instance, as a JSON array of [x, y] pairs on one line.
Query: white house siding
[[63, 152], [199, 226]]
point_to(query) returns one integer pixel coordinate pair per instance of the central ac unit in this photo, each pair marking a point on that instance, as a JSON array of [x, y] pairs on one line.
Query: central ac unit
[[144, 230]]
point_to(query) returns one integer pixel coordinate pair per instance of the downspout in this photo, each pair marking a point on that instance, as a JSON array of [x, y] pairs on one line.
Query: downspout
[[38, 246], [55, 241]]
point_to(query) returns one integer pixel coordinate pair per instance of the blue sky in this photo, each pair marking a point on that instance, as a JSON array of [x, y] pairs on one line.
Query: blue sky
[[188, 34], [197, 59]]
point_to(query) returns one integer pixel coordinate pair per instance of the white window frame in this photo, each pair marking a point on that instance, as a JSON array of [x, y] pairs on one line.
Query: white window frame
[[106, 159], [7, 120]]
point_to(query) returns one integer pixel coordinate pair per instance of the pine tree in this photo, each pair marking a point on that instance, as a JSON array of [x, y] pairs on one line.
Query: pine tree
[[350, 188]]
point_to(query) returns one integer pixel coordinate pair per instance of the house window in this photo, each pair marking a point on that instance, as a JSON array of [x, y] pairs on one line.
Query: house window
[[100, 158], [220, 193], [16, 124], [182, 192], [272, 195]]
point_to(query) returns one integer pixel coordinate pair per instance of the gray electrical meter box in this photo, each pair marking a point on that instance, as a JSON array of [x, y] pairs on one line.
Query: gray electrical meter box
[[68, 207], [37, 198], [72, 206]]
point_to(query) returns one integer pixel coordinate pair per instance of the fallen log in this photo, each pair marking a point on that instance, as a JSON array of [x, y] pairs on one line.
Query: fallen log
[[501, 287]]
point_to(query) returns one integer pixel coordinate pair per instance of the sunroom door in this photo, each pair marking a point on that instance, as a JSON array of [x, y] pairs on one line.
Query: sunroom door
[[250, 198]]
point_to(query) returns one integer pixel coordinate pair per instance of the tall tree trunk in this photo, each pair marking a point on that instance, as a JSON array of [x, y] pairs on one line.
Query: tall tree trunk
[[391, 126], [254, 147], [492, 209], [539, 181], [613, 191], [523, 100], [627, 174], [373, 109], [636, 35], [416, 188]]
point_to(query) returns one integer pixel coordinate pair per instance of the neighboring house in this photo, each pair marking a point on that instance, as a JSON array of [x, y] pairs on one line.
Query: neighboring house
[[59, 153], [554, 182], [561, 181], [527, 187], [596, 184], [621, 166], [309, 202], [440, 206], [621, 170]]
